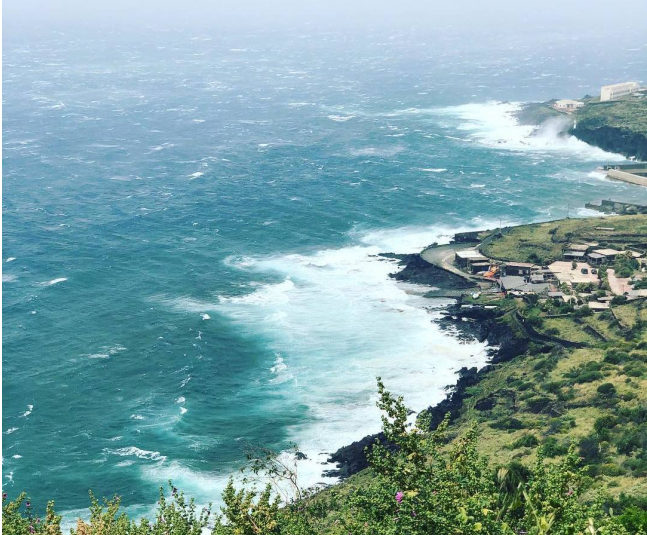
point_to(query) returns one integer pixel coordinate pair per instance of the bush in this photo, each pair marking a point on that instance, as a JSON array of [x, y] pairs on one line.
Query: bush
[[634, 519], [638, 466], [552, 448], [525, 441], [588, 376], [538, 403], [508, 423], [607, 390], [608, 421], [614, 356], [634, 369], [590, 450], [611, 470], [619, 300]]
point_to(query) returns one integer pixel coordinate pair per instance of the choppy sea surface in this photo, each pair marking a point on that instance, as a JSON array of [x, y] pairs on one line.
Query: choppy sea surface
[[190, 230]]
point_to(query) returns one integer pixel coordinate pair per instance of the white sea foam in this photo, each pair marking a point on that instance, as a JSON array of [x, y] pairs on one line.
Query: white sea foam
[[382, 152], [137, 452], [136, 417], [335, 322], [30, 408], [54, 281], [183, 410], [11, 430], [195, 175], [163, 146], [433, 169], [10, 259], [341, 118], [106, 352], [494, 124], [7, 277], [17, 456], [205, 316], [180, 400]]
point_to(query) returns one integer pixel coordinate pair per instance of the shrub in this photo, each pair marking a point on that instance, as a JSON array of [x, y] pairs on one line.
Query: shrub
[[614, 356], [525, 441], [608, 421], [611, 470], [508, 423], [607, 390], [634, 369], [619, 300], [590, 450], [538, 403], [552, 448], [634, 519], [588, 376]]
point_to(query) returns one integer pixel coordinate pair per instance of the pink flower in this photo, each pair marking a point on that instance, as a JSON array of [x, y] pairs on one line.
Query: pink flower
[[398, 496]]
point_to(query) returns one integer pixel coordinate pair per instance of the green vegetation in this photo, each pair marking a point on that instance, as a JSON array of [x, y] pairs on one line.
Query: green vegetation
[[629, 113], [420, 483], [552, 439], [542, 243], [616, 126]]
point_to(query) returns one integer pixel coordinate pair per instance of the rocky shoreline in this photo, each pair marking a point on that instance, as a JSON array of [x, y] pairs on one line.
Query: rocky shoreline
[[467, 322]]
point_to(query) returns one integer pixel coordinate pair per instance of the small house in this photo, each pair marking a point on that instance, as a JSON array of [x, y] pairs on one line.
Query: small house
[[567, 105], [467, 257], [520, 269], [479, 267], [602, 256], [578, 256]]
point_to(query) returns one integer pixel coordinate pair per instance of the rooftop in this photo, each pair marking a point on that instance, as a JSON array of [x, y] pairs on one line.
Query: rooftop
[[520, 264], [578, 246], [470, 254], [607, 252]]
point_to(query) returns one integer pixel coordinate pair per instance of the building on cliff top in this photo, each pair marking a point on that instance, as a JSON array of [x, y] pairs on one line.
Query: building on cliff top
[[567, 105], [613, 91]]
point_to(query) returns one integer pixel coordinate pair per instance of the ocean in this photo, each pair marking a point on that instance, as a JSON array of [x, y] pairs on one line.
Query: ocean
[[191, 229]]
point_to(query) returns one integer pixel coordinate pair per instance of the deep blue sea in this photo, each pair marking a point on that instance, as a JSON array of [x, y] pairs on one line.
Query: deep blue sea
[[190, 224]]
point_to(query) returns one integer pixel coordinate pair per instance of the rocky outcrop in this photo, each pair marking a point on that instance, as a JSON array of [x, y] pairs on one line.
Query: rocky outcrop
[[419, 271], [352, 458]]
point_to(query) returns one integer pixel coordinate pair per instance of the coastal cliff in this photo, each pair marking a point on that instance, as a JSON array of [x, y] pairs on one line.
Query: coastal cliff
[[621, 140], [618, 126]]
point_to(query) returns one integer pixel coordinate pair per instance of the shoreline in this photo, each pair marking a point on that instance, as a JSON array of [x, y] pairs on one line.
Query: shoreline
[[471, 324]]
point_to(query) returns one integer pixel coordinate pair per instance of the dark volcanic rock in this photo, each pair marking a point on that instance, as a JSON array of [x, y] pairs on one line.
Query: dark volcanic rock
[[482, 324], [419, 271], [352, 458], [625, 142]]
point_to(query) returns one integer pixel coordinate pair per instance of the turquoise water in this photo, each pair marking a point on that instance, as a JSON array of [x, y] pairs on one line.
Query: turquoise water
[[190, 224]]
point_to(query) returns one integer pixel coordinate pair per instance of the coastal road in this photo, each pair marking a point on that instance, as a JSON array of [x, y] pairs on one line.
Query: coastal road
[[443, 257]]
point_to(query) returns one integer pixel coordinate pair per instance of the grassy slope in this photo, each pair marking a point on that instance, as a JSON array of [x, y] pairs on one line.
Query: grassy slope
[[549, 392], [548, 240], [557, 401], [627, 114]]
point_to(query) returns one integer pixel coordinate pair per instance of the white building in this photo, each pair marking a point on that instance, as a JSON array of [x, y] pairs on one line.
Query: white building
[[610, 92], [567, 105]]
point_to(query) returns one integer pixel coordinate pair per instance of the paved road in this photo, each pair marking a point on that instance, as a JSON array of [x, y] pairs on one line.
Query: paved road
[[443, 257]]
